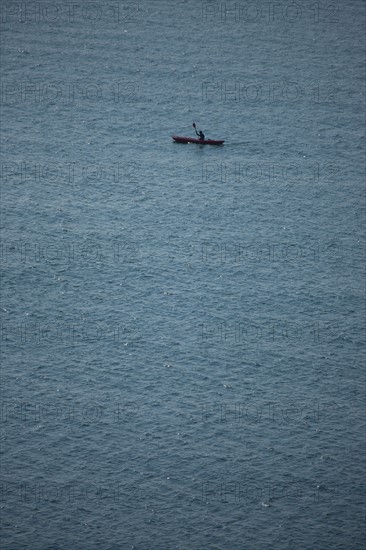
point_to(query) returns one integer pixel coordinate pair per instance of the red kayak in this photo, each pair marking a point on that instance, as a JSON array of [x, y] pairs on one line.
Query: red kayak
[[179, 139]]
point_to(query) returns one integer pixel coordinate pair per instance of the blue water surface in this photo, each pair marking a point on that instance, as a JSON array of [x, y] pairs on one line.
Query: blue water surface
[[182, 326]]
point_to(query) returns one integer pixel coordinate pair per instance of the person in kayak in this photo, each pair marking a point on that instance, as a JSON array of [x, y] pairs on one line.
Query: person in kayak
[[200, 134]]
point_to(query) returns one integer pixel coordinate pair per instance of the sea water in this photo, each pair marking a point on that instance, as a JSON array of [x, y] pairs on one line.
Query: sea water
[[182, 325]]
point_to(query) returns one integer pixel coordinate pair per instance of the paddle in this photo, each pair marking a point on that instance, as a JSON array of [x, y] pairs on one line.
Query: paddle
[[194, 126]]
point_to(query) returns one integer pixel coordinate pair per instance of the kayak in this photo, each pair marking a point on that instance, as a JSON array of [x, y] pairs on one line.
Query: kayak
[[179, 139]]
